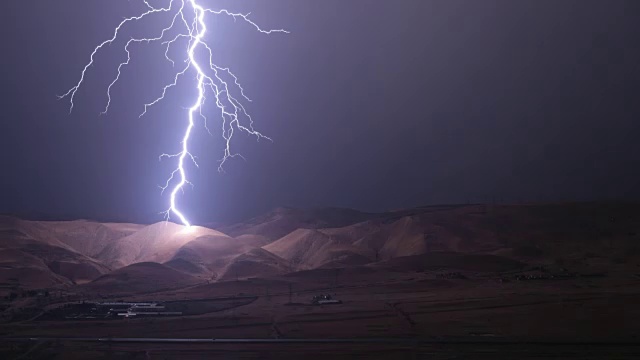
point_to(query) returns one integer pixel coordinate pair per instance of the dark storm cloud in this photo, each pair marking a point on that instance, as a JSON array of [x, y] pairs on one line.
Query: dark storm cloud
[[371, 105]]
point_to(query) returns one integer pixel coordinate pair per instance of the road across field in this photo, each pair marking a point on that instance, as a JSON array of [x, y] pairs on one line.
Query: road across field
[[313, 349], [447, 340]]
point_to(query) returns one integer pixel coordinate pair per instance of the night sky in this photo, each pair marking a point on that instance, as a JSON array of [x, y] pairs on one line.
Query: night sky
[[372, 105]]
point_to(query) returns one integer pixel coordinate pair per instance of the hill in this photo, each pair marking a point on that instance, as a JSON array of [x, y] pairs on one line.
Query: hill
[[254, 263], [154, 243], [138, 278], [281, 221], [213, 253], [308, 249], [27, 261], [454, 261], [593, 236]]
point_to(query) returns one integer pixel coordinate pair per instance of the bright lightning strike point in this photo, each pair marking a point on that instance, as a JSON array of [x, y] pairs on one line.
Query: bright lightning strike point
[[188, 23]]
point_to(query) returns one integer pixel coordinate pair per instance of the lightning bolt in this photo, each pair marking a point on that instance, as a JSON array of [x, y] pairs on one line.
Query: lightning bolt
[[188, 24]]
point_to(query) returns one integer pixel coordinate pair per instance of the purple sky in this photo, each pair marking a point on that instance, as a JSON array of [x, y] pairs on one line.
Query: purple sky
[[372, 105]]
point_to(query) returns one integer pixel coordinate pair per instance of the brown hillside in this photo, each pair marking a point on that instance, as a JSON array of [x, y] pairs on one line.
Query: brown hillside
[[308, 249], [139, 278], [212, 252], [32, 262], [282, 221], [255, 263], [155, 243], [453, 261]]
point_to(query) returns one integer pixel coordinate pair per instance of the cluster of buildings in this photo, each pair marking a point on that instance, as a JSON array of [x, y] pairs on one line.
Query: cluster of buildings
[[137, 309]]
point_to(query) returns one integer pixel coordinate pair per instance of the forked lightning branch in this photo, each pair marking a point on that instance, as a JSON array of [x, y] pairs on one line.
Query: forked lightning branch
[[186, 28]]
